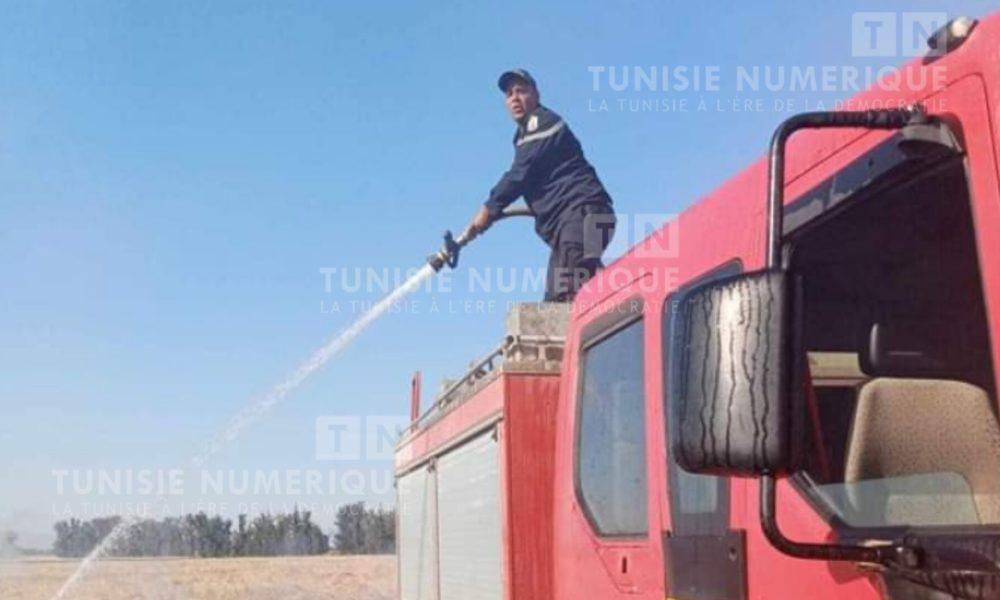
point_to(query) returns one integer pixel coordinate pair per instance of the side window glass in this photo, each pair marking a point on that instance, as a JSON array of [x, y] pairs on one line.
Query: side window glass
[[611, 452]]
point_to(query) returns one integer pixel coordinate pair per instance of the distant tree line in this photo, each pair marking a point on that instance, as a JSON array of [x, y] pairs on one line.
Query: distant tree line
[[363, 530], [196, 535], [359, 530]]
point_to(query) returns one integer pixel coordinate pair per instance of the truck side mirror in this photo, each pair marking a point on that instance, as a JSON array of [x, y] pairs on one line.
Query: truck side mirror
[[730, 368]]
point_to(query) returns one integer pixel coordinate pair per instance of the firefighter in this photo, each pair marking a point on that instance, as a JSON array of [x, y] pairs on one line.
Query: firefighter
[[573, 213]]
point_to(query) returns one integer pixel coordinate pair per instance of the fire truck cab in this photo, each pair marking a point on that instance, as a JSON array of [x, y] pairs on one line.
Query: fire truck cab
[[848, 404]]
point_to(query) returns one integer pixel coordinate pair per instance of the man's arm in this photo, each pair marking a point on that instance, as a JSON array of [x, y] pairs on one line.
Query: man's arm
[[514, 182]]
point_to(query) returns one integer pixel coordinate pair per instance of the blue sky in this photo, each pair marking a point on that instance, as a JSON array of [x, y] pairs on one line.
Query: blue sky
[[174, 176]]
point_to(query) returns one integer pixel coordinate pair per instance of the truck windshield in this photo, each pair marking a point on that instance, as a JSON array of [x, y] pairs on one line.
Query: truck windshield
[[900, 385]]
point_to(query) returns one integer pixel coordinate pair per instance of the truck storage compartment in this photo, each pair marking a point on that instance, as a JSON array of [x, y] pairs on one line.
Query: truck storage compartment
[[477, 467], [417, 509], [469, 520]]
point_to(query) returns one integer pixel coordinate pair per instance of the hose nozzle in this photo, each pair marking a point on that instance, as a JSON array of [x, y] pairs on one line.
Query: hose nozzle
[[448, 254]]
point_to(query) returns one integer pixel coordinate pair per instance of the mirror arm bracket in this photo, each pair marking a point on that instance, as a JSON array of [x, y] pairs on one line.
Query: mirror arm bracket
[[868, 119], [885, 554]]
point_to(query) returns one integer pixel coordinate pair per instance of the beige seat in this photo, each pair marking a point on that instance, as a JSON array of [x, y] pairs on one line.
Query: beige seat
[[921, 427]]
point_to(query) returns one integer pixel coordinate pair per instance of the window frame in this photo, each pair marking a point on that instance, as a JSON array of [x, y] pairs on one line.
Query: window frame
[[802, 481], [622, 316]]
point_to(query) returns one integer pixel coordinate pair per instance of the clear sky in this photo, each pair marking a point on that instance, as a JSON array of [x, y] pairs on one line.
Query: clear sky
[[175, 175]]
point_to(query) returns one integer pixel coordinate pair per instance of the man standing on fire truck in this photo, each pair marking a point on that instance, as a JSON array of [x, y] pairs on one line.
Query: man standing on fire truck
[[572, 209]]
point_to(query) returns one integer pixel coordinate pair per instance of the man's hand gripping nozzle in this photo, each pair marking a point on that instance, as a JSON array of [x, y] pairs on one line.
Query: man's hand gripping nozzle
[[448, 254]]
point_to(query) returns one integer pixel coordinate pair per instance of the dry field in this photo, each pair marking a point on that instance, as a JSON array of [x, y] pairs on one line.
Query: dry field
[[339, 577]]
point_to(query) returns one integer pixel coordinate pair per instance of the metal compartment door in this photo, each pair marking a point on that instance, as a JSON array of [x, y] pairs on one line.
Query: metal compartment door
[[418, 563], [470, 521]]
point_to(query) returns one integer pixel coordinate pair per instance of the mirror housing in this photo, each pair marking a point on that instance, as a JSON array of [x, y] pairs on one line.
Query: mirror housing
[[730, 377]]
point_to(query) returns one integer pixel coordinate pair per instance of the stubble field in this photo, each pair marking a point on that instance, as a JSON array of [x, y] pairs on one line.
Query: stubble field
[[266, 578]]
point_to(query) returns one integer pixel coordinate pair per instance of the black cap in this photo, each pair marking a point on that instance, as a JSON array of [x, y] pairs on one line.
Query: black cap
[[507, 76]]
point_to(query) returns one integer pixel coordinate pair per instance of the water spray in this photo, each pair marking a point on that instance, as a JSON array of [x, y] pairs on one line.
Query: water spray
[[448, 255]]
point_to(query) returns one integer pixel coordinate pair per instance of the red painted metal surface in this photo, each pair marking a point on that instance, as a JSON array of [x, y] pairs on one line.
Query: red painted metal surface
[[529, 427], [465, 419], [415, 385]]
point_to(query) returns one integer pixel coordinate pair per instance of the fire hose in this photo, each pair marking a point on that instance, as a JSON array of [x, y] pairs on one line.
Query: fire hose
[[448, 254]]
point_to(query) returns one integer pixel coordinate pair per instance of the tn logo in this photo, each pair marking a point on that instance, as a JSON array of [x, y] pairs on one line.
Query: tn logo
[[882, 34], [357, 438]]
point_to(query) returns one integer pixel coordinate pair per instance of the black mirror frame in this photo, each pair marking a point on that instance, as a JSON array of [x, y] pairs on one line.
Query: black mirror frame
[[730, 379]]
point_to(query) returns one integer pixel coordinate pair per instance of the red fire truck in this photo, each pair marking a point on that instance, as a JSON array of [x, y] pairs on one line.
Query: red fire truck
[[788, 392]]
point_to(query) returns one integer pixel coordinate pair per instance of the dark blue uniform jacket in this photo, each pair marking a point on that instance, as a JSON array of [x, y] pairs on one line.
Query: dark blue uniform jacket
[[550, 171]]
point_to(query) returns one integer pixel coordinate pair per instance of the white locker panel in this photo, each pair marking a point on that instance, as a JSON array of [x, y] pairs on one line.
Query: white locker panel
[[470, 521], [417, 535]]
